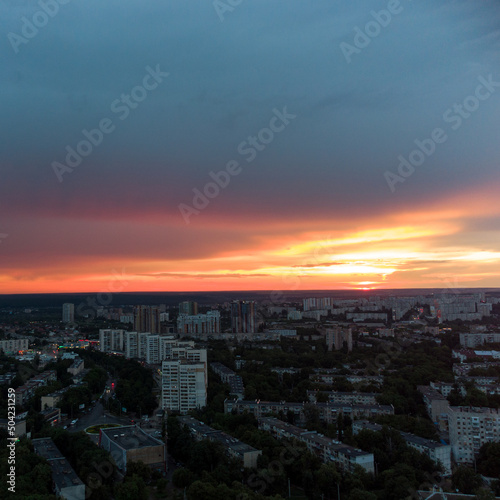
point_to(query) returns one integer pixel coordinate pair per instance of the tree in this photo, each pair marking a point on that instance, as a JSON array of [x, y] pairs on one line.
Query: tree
[[182, 478], [358, 494], [139, 469], [485, 494], [133, 488], [466, 480], [488, 460], [327, 478]]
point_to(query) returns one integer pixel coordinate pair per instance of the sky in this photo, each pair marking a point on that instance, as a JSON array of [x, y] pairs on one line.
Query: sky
[[249, 145]]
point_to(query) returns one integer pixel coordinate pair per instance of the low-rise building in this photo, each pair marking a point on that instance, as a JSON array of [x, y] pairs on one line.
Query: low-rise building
[[51, 415], [330, 378], [327, 412], [77, 367], [329, 450], [51, 400], [437, 406], [359, 398], [228, 376], [131, 443], [26, 391], [234, 447], [67, 484], [439, 452]]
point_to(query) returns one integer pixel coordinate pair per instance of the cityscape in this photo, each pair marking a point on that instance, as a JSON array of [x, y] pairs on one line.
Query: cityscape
[[250, 250], [354, 395]]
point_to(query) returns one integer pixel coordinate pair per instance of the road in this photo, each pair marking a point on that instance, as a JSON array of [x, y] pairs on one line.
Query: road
[[95, 417]]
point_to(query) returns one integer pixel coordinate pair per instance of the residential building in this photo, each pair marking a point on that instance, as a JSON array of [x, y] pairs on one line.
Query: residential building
[[329, 450], [328, 378], [184, 379], [12, 346], [153, 349], [327, 412], [437, 406], [294, 315], [337, 336], [77, 367], [470, 428], [147, 319], [26, 391], [68, 313], [131, 345], [188, 308], [67, 484], [111, 340], [184, 385], [51, 415], [127, 318], [235, 448], [236, 386], [472, 340], [243, 317], [352, 398], [200, 324], [439, 452]]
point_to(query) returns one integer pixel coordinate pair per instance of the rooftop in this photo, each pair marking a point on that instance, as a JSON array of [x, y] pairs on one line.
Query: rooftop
[[130, 437], [62, 473], [206, 431]]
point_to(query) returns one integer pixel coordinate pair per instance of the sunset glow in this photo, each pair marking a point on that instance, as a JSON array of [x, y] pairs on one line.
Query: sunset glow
[[254, 158]]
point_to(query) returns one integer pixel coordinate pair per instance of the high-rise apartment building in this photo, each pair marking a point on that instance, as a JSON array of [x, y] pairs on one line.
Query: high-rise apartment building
[[153, 349], [147, 319], [243, 316], [13, 345], [184, 379], [199, 324], [313, 303], [188, 308], [131, 345], [470, 428], [335, 338], [68, 313], [111, 340]]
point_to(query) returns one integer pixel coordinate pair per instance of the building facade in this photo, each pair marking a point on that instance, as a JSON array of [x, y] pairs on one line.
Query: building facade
[[328, 450], [131, 444], [14, 345], [235, 448], [243, 316], [336, 337], [68, 313], [470, 428], [199, 324], [66, 483]]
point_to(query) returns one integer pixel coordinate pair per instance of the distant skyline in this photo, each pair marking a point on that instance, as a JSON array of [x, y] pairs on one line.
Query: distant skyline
[[290, 145]]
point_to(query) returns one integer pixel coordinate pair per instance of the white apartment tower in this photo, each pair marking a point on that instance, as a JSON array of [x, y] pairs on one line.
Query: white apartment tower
[[470, 428], [111, 340], [184, 379], [68, 313]]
